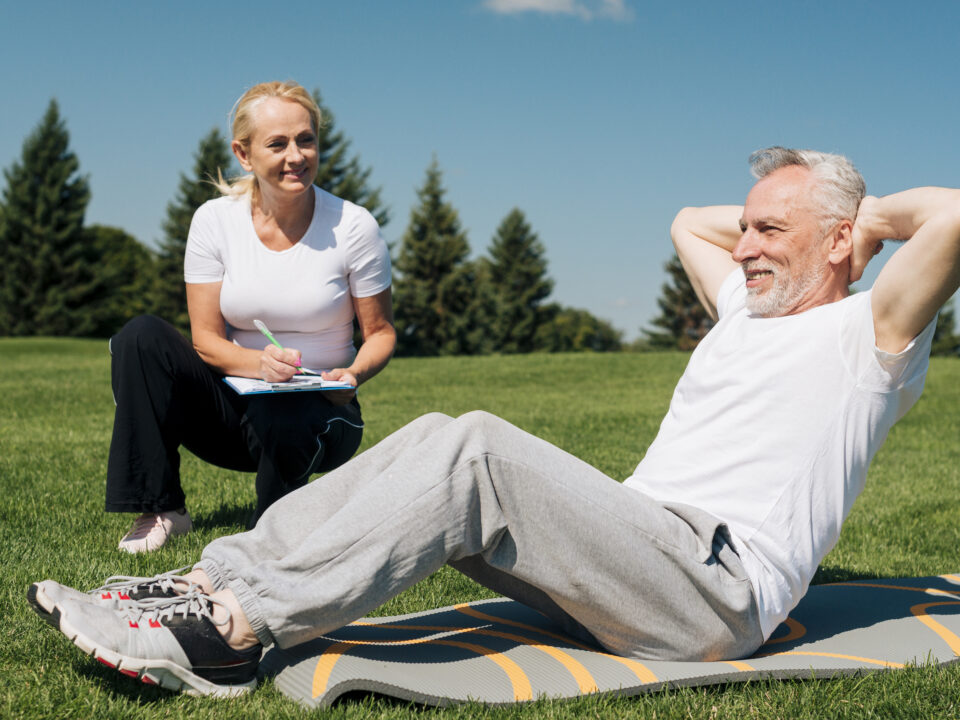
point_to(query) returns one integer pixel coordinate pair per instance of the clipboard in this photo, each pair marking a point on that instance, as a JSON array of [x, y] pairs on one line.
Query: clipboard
[[298, 383]]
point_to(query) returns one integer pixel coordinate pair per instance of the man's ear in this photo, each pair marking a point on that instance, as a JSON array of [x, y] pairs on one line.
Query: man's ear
[[840, 242], [241, 155]]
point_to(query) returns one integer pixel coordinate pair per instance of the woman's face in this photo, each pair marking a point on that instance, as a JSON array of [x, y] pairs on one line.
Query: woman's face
[[283, 148]]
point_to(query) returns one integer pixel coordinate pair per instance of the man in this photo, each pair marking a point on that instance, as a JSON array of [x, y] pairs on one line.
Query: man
[[699, 555]]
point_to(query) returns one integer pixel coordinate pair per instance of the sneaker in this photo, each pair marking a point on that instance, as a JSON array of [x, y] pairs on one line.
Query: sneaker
[[44, 595], [151, 530], [170, 642]]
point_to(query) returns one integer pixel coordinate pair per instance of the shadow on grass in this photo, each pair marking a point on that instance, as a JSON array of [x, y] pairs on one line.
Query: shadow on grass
[[835, 575], [111, 681], [230, 517]]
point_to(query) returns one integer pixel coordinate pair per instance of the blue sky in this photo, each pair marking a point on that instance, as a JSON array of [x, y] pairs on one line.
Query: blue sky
[[598, 118]]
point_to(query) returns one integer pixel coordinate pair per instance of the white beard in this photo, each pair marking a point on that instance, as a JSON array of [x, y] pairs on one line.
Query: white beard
[[785, 293]]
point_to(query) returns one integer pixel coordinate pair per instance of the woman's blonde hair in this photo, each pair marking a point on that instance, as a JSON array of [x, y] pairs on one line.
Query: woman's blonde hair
[[242, 126]]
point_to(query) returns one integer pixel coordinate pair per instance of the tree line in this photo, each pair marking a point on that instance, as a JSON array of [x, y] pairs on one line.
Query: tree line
[[60, 276]]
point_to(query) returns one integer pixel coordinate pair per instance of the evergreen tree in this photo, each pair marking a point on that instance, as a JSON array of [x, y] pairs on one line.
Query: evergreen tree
[[945, 338], [682, 319], [518, 275], [340, 175], [169, 294], [566, 329], [435, 285], [126, 279], [46, 272]]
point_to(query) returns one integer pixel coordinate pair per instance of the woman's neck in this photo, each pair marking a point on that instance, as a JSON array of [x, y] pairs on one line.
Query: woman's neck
[[282, 222]]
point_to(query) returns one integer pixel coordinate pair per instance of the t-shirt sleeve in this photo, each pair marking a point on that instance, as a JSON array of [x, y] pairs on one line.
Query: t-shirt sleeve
[[202, 261], [877, 370], [733, 293], [368, 259]]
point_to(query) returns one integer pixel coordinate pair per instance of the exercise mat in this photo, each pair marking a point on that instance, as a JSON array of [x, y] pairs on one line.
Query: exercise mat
[[499, 651]]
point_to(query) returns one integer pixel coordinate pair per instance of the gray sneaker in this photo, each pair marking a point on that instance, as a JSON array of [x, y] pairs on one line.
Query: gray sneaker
[[46, 594], [170, 642]]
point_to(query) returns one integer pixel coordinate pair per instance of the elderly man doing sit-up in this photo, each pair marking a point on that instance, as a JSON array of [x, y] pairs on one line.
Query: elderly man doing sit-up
[[697, 556]]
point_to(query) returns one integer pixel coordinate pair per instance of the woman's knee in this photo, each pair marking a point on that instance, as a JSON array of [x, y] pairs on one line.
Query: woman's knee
[[141, 331]]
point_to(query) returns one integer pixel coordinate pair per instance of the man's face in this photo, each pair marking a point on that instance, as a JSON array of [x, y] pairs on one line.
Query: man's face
[[781, 250]]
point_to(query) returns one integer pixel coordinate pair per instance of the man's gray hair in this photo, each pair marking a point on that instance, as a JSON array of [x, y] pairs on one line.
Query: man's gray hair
[[839, 186]]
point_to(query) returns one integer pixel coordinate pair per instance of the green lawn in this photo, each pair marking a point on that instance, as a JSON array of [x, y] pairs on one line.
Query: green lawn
[[56, 411]]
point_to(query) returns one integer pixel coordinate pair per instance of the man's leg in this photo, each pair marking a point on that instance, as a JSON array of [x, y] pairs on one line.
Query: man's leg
[[484, 495]]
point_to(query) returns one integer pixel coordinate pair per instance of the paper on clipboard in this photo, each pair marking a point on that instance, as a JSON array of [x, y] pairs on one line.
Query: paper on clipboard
[[251, 386]]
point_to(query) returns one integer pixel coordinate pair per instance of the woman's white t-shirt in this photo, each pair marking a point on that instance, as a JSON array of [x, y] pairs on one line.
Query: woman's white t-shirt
[[303, 294]]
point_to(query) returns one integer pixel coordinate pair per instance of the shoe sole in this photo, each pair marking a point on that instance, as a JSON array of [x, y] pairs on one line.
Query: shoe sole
[[41, 604], [163, 673]]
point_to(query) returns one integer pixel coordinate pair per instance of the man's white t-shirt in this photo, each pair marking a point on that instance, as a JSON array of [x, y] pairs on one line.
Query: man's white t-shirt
[[772, 428], [303, 294]]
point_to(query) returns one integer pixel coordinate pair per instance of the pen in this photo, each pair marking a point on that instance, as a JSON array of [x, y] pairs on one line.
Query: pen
[[263, 328]]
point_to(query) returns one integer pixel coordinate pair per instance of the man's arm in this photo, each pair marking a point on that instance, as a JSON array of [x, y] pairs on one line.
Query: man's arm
[[704, 238], [923, 274]]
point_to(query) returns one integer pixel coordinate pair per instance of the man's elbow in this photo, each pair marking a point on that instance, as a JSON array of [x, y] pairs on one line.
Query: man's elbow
[[680, 227]]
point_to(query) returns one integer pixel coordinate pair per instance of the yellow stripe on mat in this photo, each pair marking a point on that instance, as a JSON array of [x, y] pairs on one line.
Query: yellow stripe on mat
[[920, 611], [872, 661], [584, 679], [797, 630], [639, 669], [329, 657]]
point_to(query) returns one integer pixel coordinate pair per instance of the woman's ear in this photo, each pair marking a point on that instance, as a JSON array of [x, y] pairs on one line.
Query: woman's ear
[[241, 154]]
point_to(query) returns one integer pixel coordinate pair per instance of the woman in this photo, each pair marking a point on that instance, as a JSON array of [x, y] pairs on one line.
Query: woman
[[274, 248]]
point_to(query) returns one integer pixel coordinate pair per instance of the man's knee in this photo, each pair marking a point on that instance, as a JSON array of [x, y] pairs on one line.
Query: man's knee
[[482, 422], [430, 421]]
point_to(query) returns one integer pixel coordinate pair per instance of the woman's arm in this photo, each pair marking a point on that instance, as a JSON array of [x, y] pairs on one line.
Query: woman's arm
[[210, 341], [375, 316]]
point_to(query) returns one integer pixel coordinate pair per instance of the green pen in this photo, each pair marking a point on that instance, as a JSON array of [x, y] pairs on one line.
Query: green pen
[[263, 328]]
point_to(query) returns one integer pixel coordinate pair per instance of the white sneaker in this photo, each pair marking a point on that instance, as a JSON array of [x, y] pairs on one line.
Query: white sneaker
[[171, 642], [151, 530], [116, 591]]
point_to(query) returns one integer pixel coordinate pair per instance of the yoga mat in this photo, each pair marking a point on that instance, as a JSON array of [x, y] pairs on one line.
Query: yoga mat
[[501, 652]]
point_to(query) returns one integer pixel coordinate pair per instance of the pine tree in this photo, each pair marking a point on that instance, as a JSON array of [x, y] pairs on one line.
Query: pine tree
[[169, 293], [46, 272], [126, 280], [518, 275], [682, 318], [945, 338], [339, 175], [434, 288]]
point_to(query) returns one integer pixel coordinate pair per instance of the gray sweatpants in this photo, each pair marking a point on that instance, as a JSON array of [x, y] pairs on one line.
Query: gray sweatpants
[[513, 512]]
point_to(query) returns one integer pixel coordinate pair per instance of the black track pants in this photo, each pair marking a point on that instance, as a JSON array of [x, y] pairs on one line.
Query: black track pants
[[167, 397]]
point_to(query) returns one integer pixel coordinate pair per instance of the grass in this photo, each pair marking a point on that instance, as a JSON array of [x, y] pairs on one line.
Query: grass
[[56, 413]]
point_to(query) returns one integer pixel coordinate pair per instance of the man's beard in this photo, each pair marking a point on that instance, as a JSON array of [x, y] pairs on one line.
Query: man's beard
[[785, 292]]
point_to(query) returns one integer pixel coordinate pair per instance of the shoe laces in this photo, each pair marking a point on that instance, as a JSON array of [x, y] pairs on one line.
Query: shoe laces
[[165, 581], [195, 603]]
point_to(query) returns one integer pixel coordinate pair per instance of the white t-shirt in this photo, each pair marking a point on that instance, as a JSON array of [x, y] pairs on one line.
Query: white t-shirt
[[303, 294], [772, 428]]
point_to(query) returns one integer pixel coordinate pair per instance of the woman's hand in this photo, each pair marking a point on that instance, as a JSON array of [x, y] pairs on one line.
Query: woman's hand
[[278, 365], [340, 397]]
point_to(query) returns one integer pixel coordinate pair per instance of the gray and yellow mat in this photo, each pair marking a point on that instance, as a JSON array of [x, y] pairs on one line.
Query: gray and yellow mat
[[498, 651]]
